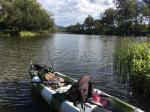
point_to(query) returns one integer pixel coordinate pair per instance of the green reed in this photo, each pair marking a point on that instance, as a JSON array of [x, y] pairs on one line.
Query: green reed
[[132, 64]]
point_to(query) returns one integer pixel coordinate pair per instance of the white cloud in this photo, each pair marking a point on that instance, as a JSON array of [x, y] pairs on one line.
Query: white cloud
[[68, 12]]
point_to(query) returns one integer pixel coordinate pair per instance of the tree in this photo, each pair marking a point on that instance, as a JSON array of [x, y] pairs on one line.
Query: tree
[[98, 27], [128, 18], [109, 20], [77, 28], [109, 17], [28, 15], [89, 22], [125, 10], [128, 15], [148, 3]]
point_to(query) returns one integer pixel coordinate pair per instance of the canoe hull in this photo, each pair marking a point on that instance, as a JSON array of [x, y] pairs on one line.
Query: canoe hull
[[54, 97], [48, 95]]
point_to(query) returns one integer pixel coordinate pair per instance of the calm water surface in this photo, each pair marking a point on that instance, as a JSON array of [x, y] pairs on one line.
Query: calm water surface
[[74, 55]]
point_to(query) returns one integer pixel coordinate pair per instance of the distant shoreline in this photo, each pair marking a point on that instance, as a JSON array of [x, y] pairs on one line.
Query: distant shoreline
[[8, 33], [104, 34]]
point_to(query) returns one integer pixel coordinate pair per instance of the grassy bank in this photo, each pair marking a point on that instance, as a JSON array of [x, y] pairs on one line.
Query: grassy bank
[[8, 33], [132, 64], [28, 34]]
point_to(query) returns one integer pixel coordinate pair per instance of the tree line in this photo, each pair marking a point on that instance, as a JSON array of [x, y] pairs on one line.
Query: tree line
[[129, 17], [24, 15]]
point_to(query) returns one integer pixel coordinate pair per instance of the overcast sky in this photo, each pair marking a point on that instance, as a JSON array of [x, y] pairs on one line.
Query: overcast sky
[[67, 12]]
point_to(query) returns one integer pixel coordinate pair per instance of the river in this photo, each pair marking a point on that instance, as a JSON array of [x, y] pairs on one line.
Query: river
[[71, 54]]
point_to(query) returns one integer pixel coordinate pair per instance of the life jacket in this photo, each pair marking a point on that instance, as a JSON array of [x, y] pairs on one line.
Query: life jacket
[[80, 91]]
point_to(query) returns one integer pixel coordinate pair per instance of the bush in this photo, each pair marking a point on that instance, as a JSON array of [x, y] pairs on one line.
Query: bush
[[132, 64]]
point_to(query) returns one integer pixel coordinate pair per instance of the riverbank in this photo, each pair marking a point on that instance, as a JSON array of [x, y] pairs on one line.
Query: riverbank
[[81, 33], [8, 33], [33, 33], [132, 64]]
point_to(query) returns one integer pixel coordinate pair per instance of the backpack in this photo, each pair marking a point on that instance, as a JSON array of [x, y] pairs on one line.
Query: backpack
[[80, 91]]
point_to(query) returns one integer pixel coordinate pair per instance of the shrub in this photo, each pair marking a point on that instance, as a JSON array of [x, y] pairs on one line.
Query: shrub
[[132, 64]]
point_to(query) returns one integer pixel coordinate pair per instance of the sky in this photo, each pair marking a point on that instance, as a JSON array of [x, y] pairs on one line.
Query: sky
[[67, 12]]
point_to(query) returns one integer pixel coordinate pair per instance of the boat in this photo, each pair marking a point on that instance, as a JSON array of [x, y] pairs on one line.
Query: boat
[[52, 92]]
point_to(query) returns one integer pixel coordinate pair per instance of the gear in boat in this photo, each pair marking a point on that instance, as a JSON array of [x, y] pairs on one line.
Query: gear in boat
[[59, 82], [80, 92]]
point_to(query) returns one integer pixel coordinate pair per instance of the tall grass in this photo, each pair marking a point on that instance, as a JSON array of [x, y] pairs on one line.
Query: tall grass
[[132, 64], [27, 34]]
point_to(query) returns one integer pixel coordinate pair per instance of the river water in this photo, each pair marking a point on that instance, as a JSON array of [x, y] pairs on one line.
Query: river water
[[71, 54]]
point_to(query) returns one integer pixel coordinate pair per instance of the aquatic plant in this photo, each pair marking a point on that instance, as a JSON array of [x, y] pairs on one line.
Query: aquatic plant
[[132, 64]]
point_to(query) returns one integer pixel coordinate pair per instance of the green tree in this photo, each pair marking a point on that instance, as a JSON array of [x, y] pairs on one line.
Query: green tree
[[77, 28], [138, 17], [98, 27], [125, 10], [148, 12], [130, 14], [109, 21], [28, 15], [128, 18], [109, 17], [88, 22]]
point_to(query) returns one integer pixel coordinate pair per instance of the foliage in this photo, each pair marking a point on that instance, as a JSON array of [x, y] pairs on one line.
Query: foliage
[[108, 17], [88, 22], [130, 17], [27, 34], [20, 15], [132, 64]]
